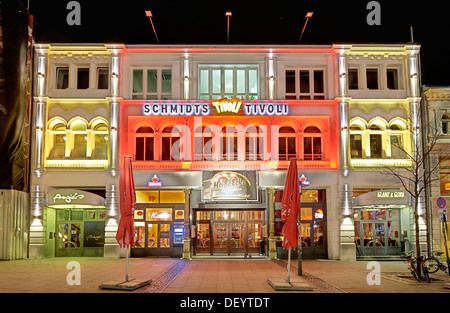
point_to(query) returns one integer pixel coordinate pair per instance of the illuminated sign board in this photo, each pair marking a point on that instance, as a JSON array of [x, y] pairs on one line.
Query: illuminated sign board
[[155, 182], [390, 194], [221, 106], [230, 185]]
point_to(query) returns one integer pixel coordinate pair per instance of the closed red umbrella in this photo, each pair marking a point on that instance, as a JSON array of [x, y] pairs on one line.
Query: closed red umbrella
[[290, 207], [127, 202]]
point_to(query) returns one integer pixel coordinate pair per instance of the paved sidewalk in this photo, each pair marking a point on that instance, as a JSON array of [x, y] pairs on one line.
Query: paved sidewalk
[[172, 275]]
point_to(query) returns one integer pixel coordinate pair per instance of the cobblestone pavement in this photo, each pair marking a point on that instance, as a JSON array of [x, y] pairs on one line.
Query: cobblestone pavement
[[172, 275]]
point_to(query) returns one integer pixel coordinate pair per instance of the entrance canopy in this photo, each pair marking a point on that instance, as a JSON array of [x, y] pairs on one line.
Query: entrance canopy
[[383, 199], [74, 198]]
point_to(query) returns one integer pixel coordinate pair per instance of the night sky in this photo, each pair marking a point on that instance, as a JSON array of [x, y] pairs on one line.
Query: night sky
[[254, 22]]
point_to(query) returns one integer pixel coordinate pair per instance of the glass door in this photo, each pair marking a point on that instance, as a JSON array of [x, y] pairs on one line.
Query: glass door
[[237, 240], [69, 241], [220, 231], [158, 239], [203, 244], [373, 241], [254, 237]]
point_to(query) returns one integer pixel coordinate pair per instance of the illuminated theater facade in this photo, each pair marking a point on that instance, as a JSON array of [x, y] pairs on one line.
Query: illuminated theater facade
[[211, 130]]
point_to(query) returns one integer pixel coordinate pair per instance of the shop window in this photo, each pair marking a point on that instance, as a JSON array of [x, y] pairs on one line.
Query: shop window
[[230, 81], [147, 196], [229, 143], [254, 143], [312, 144], [372, 78], [82, 78], [170, 144], [102, 78], [171, 196], [144, 144], [304, 84], [62, 77], [353, 81], [444, 169], [286, 143], [139, 236], [203, 143], [152, 84]]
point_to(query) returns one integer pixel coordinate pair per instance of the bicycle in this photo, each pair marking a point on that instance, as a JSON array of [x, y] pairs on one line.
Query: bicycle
[[434, 264], [418, 268]]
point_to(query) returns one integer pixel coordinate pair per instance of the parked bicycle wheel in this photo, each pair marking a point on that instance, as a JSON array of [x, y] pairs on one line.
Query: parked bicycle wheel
[[433, 265], [425, 275]]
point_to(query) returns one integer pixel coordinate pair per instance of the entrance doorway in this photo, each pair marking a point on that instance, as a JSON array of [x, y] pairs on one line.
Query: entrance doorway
[[377, 232], [68, 242], [228, 232], [159, 243]]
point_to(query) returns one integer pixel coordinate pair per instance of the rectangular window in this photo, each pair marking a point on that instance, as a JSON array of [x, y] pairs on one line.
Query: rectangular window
[[62, 77], [152, 84], [304, 84], [83, 78], [230, 81], [372, 78], [392, 78], [353, 79], [102, 78]]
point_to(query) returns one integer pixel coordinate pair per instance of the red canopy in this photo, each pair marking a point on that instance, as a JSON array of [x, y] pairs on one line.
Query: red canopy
[[290, 206], [127, 202]]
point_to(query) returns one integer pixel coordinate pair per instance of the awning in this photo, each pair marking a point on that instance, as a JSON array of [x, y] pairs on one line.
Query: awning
[[383, 199]]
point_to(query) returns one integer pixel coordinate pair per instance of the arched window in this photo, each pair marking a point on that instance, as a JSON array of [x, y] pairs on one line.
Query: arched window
[[229, 143], [446, 124], [286, 143], [397, 141], [312, 144], [203, 143], [145, 143], [356, 146], [80, 138], [376, 144], [100, 131], [57, 130], [171, 144], [254, 143]]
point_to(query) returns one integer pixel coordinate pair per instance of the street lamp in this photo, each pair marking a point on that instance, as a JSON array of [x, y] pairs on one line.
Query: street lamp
[[308, 16], [228, 15], [150, 15]]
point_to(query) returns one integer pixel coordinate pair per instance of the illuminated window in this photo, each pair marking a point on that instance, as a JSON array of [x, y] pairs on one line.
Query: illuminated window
[[229, 143], [398, 149], [79, 134], [100, 149], [144, 148], [254, 143], [58, 136], [171, 144], [286, 143], [304, 84], [230, 81], [312, 144], [444, 171], [152, 84], [203, 143]]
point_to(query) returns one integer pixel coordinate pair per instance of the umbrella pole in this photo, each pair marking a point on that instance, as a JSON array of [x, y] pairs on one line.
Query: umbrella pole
[[289, 267], [126, 276]]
